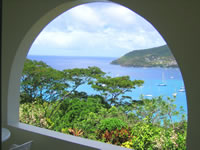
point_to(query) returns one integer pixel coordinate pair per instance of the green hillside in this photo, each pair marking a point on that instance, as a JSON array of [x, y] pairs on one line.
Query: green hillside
[[153, 57]]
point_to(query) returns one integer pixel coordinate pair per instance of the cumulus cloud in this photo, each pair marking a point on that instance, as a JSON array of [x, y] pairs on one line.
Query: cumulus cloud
[[58, 39], [120, 14], [96, 29], [86, 15]]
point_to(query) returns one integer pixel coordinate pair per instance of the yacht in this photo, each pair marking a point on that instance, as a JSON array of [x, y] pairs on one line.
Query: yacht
[[182, 89], [163, 82], [174, 94], [148, 95]]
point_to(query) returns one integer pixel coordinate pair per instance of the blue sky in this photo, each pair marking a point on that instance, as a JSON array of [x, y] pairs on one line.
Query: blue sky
[[96, 29]]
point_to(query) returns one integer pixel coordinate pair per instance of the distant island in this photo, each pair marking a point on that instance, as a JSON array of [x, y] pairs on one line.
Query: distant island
[[152, 57]]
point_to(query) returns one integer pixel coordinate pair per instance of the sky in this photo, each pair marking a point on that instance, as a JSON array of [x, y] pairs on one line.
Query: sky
[[96, 29]]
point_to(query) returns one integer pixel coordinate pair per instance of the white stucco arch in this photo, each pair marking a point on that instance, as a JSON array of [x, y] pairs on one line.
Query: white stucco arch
[[28, 18]]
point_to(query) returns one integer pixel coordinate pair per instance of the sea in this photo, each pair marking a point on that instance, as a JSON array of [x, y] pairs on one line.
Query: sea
[[152, 77]]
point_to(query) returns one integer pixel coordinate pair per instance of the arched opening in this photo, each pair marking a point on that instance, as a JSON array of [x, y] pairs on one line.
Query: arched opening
[[140, 110], [18, 61]]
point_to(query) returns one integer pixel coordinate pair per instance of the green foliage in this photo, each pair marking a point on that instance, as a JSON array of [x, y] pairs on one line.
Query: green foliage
[[148, 136], [40, 81], [143, 136], [79, 76], [113, 130], [113, 88], [35, 114], [50, 99], [117, 137], [89, 125], [111, 124], [157, 110]]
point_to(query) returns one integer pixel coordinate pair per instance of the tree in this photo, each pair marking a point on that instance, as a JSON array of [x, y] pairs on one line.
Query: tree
[[157, 111], [40, 82], [113, 88], [72, 112], [79, 76], [75, 78]]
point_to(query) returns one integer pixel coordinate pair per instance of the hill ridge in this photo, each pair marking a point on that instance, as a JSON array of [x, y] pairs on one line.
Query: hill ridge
[[160, 56]]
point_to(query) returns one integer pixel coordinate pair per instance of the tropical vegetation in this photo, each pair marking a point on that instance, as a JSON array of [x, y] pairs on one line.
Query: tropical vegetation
[[51, 99]]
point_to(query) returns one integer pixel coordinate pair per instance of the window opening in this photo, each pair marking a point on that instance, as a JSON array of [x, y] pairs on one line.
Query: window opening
[[102, 72]]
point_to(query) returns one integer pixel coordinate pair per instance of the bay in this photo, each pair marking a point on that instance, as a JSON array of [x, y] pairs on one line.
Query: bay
[[152, 76]]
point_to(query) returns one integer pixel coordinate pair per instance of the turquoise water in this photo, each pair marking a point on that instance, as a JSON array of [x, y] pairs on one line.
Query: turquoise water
[[151, 76]]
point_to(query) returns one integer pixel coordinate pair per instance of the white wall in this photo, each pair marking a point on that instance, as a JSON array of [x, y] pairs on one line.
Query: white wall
[[177, 21]]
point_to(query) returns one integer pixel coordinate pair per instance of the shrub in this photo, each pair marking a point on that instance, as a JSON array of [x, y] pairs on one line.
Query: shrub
[[116, 137], [143, 136], [111, 124], [113, 130], [147, 136]]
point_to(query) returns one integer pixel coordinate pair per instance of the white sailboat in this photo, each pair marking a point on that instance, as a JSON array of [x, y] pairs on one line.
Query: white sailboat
[[182, 89], [174, 94], [148, 95], [163, 81]]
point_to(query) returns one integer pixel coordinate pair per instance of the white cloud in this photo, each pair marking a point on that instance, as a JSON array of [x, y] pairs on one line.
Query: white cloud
[[86, 15], [120, 14], [58, 39], [97, 31]]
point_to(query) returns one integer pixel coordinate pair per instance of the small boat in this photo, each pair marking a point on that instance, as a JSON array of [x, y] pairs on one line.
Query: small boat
[[148, 95], [174, 94], [162, 83], [182, 89]]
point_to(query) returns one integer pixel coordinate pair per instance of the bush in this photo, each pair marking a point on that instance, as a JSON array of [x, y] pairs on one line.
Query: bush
[[143, 136], [111, 124], [113, 130], [116, 137], [35, 114], [146, 136]]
